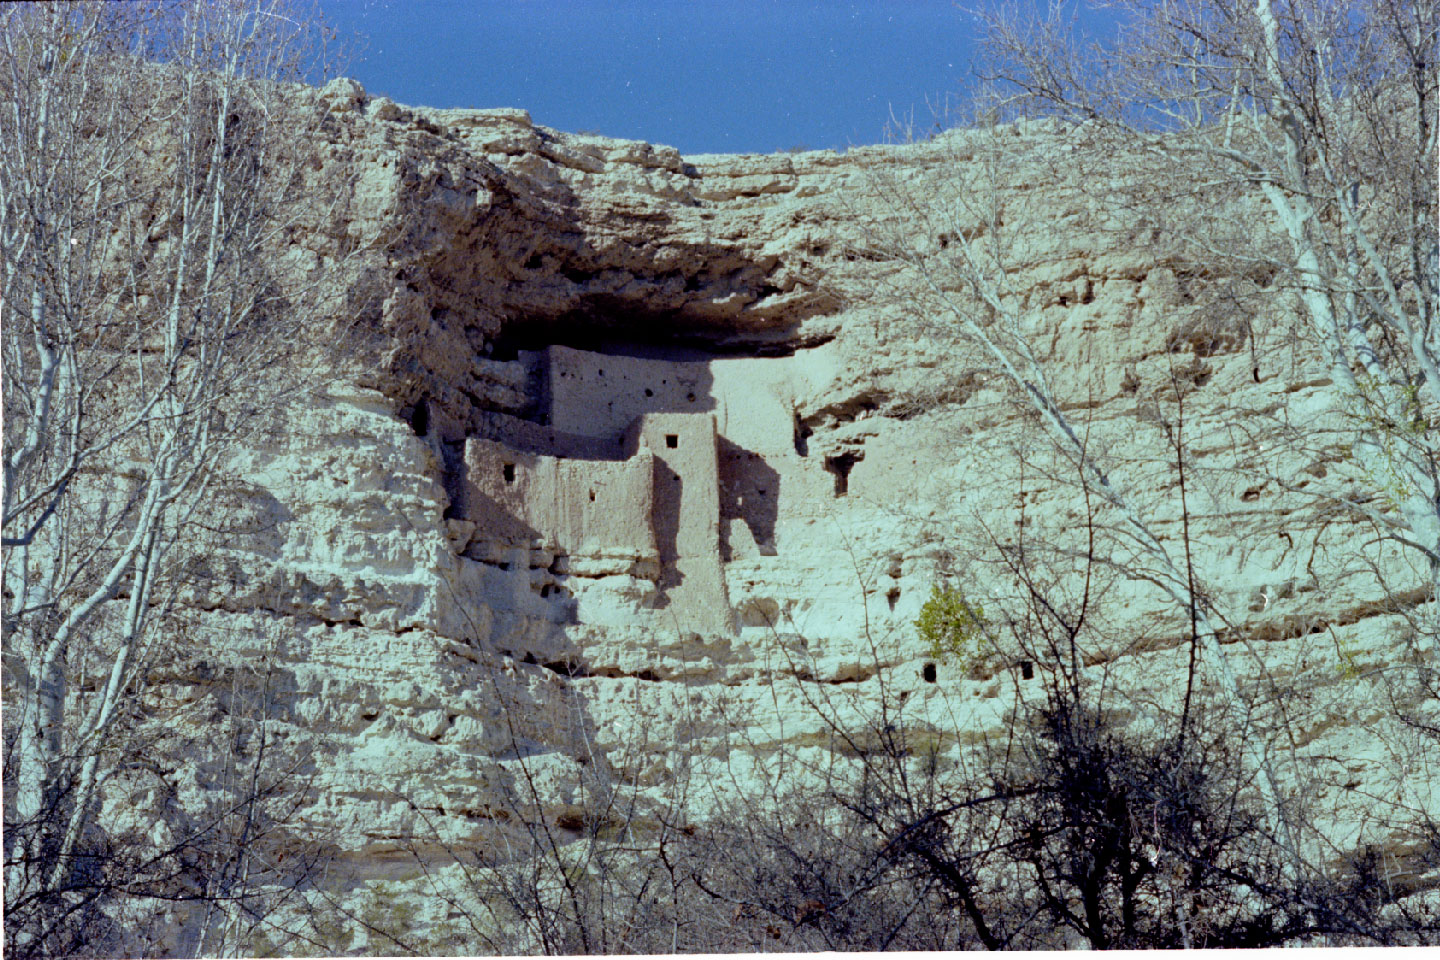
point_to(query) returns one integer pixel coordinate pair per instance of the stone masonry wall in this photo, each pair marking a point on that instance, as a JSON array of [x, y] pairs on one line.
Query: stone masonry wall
[[575, 507]]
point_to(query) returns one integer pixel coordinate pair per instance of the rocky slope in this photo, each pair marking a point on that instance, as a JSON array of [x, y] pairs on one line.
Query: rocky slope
[[865, 456]]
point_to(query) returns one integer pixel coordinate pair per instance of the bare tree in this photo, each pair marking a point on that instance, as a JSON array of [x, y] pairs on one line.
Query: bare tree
[[1097, 816], [153, 166], [1199, 111], [1327, 114]]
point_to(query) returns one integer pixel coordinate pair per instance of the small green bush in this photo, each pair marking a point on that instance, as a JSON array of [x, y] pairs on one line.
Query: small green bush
[[950, 625]]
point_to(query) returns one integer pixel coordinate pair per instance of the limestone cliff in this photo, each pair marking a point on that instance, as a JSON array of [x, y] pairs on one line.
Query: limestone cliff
[[618, 436]]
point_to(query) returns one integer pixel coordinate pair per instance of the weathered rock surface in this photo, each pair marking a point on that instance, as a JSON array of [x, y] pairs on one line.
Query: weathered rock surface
[[487, 530]]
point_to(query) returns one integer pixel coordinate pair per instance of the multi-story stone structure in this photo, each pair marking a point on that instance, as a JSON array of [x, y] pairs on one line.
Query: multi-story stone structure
[[621, 465]]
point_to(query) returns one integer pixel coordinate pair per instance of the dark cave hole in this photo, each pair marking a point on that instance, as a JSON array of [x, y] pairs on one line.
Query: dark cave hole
[[420, 418], [802, 437], [928, 672]]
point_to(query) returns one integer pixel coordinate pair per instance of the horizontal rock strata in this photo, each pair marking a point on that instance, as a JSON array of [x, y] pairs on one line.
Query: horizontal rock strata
[[626, 449]]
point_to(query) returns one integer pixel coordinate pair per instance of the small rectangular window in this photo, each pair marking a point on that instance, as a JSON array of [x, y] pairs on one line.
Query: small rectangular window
[[509, 472], [672, 440]]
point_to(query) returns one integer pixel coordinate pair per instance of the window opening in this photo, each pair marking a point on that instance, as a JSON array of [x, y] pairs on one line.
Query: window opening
[[672, 440], [928, 673], [840, 465], [1027, 670], [508, 472]]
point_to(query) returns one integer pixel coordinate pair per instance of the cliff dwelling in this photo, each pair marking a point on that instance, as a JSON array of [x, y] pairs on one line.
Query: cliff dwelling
[[550, 539], [654, 465]]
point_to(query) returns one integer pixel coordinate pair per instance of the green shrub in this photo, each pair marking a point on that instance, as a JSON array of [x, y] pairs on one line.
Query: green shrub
[[951, 626]]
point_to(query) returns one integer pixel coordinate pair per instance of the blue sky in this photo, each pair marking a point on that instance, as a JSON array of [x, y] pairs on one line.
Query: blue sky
[[730, 76]]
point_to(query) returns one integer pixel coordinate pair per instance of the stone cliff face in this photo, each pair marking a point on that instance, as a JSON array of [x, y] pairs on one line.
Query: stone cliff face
[[621, 436]]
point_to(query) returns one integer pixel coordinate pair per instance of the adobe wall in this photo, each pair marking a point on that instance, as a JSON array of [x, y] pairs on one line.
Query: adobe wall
[[686, 488], [686, 516], [600, 394], [576, 507], [758, 461], [530, 437]]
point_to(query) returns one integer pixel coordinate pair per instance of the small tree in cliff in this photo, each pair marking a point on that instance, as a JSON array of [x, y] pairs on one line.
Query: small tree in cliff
[[152, 169]]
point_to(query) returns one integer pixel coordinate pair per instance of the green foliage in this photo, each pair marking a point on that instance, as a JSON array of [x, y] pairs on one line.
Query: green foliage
[[1392, 423], [950, 625], [1346, 649]]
